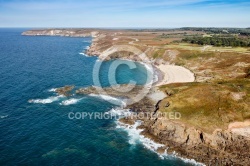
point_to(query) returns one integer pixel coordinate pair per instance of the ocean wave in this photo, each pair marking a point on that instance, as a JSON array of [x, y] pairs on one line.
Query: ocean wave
[[135, 137], [86, 41], [46, 101], [81, 53], [70, 101], [114, 100], [52, 89], [148, 67], [190, 161], [133, 132], [155, 78], [3, 116], [119, 112]]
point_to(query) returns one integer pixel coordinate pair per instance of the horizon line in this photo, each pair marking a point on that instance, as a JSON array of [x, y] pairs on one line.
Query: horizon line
[[131, 27]]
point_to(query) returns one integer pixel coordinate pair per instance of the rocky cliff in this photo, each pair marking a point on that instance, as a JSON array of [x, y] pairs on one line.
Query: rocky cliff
[[221, 147], [62, 32]]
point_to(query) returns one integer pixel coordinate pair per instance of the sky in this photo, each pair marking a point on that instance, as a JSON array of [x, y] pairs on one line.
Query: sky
[[125, 13]]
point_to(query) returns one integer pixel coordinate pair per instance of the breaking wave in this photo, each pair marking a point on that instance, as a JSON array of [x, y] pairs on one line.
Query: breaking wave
[[81, 53], [70, 101], [135, 137], [3, 116], [119, 112], [114, 100], [46, 101], [52, 89]]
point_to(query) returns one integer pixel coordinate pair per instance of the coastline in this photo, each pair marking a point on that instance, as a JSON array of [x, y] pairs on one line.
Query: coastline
[[159, 74], [184, 140]]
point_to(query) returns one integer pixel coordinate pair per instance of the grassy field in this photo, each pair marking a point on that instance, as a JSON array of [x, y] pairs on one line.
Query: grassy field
[[209, 106], [195, 47]]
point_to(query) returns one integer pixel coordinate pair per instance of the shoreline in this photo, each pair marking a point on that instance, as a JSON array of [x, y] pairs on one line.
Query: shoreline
[[137, 128], [185, 139], [174, 74], [159, 74]]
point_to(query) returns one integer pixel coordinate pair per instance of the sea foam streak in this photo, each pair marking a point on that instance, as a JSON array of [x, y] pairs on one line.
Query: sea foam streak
[[81, 53], [70, 101], [115, 100], [155, 77], [52, 90], [192, 161], [4, 116], [46, 101]]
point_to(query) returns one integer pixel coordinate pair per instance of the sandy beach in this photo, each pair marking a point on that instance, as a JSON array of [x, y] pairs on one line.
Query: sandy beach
[[173, 74], [167, 74]]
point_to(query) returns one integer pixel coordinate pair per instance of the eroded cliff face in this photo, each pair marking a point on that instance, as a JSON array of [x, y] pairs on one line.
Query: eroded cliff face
[[222, 147]]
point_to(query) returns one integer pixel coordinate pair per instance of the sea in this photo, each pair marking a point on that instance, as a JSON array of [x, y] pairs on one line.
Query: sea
[[35, 126]]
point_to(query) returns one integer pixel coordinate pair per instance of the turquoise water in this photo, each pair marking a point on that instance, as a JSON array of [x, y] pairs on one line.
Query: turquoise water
[[41, 133]]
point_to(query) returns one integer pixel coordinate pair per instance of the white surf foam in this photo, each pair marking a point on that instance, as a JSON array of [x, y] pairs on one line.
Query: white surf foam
[[99, 60], [70, 101], [175, 155], [135, 137], [81, 53], [148, 66], [4, 116], [86, 41], [156, 78], [192, 161], [119, 112], [133, 132], [153, 77], [52, 89], [46, 101], [114, 100]]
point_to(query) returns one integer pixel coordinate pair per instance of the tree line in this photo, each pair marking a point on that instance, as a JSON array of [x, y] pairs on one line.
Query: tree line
[[238, 31], [219, 41]]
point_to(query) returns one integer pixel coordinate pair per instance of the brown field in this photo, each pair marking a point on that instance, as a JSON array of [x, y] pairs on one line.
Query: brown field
[[209, 106]]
